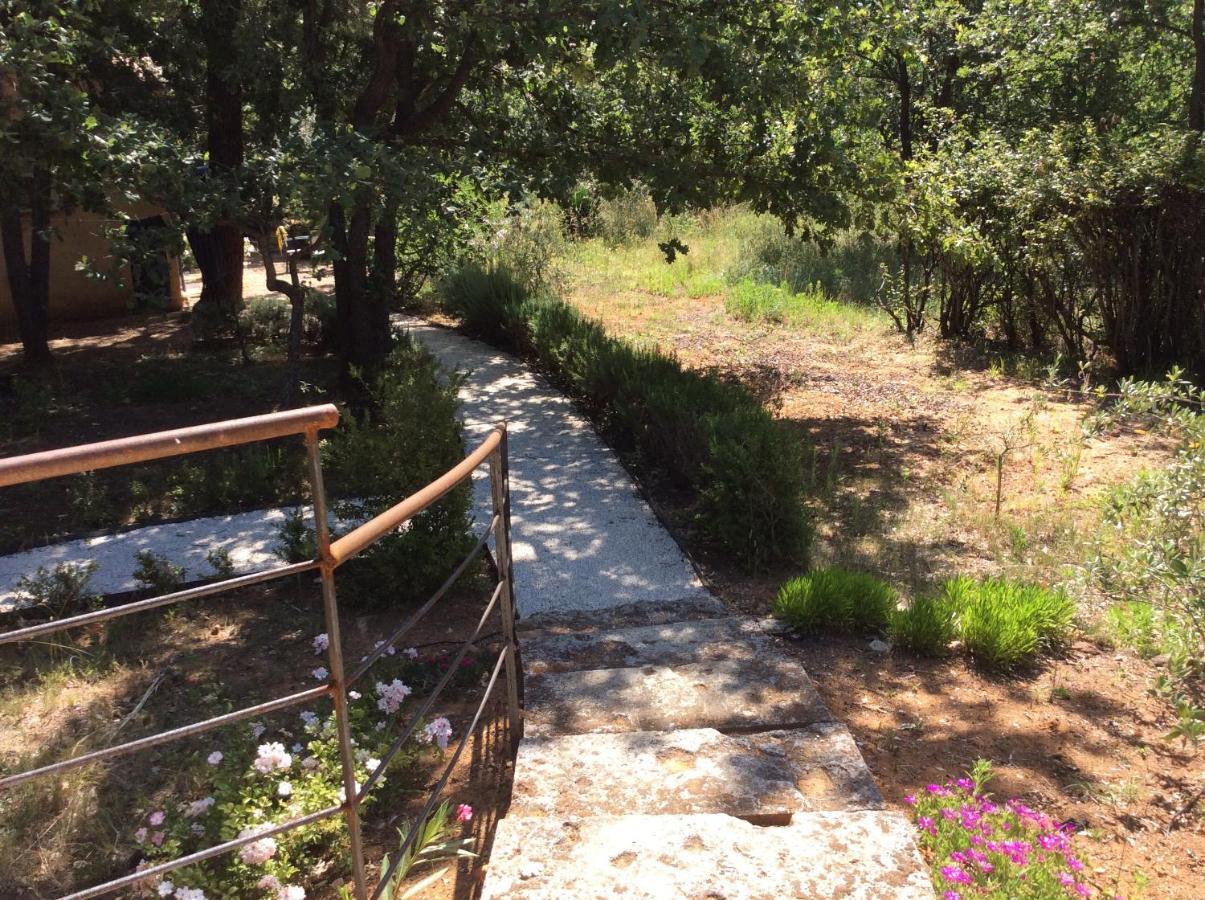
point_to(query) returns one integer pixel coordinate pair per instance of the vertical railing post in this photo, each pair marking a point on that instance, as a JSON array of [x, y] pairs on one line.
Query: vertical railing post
[[330, 609], [500, 490]]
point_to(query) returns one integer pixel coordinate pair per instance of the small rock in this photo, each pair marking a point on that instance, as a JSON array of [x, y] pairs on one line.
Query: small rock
[[1160, 661], [879, 646]]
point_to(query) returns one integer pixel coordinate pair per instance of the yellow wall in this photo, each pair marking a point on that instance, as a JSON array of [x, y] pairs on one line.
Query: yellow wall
[[73, 295]]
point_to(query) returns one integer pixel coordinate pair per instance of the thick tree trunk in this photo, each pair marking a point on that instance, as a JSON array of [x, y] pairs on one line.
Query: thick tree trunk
[[29, 278], [362, 314], [221, 247]]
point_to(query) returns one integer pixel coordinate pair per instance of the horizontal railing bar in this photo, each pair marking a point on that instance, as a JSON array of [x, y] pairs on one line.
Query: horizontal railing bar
[[126, 609], [165, 737], [430, 699], [376, 654], [160, 444], [378, 526], [396, 858], [202, 855]]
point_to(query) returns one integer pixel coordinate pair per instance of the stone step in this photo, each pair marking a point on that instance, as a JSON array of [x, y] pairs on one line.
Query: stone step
[[743, 693], [643, 612], [766, 776], [666, 644], [867, 855]]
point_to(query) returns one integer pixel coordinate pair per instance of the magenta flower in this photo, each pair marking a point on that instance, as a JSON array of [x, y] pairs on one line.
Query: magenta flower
[[910, 799], [464, 813], [951, 895], [1074, 864], [955, 875]]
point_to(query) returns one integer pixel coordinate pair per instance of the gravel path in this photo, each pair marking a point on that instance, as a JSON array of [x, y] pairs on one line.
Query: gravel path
[[583, 537]]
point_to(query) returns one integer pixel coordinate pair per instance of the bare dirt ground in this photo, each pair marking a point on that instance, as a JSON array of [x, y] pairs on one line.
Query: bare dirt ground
[[905, 440]]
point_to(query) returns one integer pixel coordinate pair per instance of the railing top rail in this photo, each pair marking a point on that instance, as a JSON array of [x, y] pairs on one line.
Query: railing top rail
[[371, 531], [144, 447]]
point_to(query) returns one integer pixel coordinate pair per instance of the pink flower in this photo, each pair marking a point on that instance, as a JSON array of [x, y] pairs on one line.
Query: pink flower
[[258, 852], [910, 799], [955, 875], [951, 895], [439, 731], [157, 838], [214, 758], [270, 757], [1083, 890], [1074, 864], [464, 813], [140, 835], [157, 817]]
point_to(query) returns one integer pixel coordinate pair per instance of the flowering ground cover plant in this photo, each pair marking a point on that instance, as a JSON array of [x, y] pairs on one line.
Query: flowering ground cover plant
[[979, 848], [253, 777]]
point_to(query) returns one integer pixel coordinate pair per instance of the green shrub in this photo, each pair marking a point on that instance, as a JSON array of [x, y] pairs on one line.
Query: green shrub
[[926, 626], [265, 320], [835, 599], [158, 573], [745, 472], [630, 215], [1005, 623], [409, 436], [63, 590]]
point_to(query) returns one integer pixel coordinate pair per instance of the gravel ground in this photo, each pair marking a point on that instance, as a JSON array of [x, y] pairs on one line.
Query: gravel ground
[[583, 537]]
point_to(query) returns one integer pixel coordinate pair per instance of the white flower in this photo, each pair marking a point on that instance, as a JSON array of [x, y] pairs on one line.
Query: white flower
[[391, 695], [309, 763], [258, 852], [320, 673], [268, 883], [166, 888], [372, 764], [389, 651], [292, 892], [355, 695], [198, 807], [214, 758], [197, 828], [185, 893], [284, 789], [270, 757], [257, 729], [411, 652], [321, 642], [439, 731]]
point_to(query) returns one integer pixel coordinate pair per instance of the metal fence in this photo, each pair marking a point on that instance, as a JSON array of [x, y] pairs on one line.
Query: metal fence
[[330, 555]]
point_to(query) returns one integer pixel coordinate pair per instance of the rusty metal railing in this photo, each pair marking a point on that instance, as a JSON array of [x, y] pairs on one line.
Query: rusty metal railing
[[330, 555]]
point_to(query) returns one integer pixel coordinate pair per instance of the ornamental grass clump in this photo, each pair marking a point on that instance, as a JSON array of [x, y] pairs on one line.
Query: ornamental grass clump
[[927, 626], [835, 599], [1005, 623], [978, 848]]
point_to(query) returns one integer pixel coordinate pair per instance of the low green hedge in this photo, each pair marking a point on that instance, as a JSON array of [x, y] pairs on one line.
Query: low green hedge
[[835, 599], [744, 471]]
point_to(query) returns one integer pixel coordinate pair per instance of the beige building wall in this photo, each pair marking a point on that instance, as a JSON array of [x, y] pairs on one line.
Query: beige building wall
[[74, 295]]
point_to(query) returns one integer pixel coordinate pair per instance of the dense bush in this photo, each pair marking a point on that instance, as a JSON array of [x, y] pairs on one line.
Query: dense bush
[[836, 599], [626, 216], [408, 437], [848, 268], [927, 626], [711, 437], [1005, 623]]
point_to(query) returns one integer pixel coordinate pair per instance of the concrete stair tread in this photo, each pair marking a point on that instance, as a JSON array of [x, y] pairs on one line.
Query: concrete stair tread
[[746, 692], [660, 644], [643, 612], [770, 774], [868, 855]]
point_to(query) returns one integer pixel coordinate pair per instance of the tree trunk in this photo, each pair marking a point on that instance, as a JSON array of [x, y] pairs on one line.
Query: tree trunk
[[1196, 99], [219, 251], [296, 294], [29, 279]]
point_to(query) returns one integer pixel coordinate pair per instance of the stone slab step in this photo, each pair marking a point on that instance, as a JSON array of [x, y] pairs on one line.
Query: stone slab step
[[768, 775], [644, 612], [749, 693], [865, 855], [667, 644]]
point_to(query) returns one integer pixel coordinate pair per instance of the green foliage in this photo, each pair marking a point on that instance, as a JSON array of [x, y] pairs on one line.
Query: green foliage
[[1004, 623], [220, 562], [628, 216], [926, 626], [836, 599], [523, 241], [432, 844], [63, 590], [408, 436], [295, 540], [157, 573], [745, 473]]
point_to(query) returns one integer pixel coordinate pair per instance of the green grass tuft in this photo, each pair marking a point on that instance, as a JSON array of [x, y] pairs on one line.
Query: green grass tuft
[[835, 599], [926, 626], [1005, 623]]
